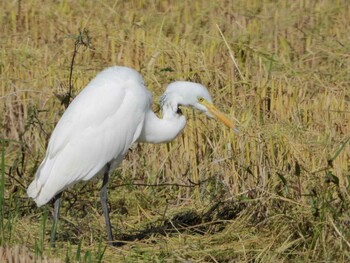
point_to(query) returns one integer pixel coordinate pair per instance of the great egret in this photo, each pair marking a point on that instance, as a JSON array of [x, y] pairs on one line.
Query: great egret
[[102, 122]]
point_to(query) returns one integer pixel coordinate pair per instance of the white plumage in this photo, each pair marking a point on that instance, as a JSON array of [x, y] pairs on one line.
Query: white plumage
[[99, 126], [103, 121]]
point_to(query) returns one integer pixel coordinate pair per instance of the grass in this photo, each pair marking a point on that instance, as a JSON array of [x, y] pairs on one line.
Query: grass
[[276, 191]]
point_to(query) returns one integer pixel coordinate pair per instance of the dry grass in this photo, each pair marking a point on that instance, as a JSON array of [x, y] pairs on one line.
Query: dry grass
[[277, 191], [21, 255]]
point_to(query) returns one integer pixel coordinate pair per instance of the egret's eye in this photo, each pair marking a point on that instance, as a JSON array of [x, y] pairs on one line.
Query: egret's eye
[[200, 99]]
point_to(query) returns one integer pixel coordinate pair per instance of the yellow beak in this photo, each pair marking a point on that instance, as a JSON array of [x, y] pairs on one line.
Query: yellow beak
[[217, 114]]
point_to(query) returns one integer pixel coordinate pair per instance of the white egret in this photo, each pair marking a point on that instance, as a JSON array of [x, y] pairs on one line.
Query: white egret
[[102, 122]]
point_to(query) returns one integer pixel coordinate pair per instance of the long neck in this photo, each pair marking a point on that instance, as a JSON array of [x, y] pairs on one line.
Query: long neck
[[156, 130]]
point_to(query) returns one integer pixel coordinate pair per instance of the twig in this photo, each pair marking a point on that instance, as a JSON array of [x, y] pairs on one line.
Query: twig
[[192, 184], [82, 39]]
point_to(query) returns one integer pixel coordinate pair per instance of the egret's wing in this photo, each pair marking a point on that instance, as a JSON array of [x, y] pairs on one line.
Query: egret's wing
[[99, 126]]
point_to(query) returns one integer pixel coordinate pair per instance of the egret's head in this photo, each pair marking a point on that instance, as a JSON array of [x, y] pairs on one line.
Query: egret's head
[[184, 93]]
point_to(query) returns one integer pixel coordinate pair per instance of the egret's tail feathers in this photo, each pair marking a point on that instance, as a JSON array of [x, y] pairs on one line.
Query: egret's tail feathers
[[33, 191]]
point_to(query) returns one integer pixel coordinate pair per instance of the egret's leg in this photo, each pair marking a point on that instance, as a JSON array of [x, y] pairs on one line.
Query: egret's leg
[[56, 212], [104, 199]]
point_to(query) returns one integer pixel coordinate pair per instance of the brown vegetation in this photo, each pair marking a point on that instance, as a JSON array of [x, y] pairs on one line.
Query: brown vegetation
[[278, 190]]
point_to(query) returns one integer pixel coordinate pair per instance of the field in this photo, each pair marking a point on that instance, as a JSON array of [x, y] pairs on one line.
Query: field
[[275, 191]]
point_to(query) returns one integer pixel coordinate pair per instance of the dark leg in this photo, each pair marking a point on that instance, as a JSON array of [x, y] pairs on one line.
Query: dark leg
[[104, 198], [56, 211]]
